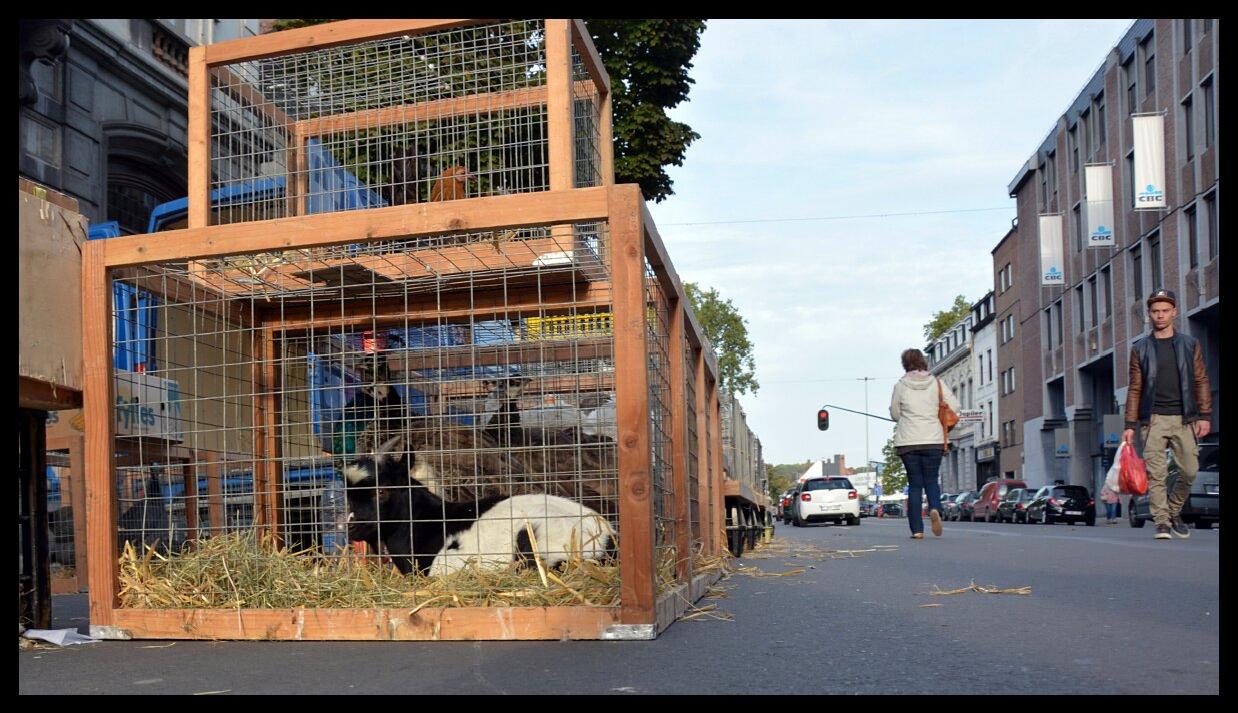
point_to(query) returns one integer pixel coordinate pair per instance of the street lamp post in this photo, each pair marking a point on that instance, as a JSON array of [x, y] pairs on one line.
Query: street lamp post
[[866, 379]]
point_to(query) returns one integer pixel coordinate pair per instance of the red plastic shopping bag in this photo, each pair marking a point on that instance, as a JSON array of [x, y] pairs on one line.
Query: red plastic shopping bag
[[1133, 478]]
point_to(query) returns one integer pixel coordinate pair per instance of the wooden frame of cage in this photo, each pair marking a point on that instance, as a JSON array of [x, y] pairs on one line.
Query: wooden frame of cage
[[209, 61], [633, 239]]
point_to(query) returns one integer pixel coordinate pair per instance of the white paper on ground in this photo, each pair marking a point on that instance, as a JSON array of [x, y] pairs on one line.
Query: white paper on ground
[[59, 637]]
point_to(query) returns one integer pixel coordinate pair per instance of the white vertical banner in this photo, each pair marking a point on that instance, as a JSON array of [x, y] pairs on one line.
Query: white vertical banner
[[1149, 132], [1098, 184], [1052, 250]]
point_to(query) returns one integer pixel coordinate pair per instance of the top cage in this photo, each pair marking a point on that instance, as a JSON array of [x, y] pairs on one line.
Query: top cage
[[368, 114]]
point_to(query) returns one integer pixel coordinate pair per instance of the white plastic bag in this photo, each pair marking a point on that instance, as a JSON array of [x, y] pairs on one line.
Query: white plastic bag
[[1111, 479]]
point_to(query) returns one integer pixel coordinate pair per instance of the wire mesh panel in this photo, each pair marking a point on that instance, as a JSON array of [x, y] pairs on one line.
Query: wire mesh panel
[[586, 120], [694, 466], [440, 115], [657, 321], [60, 508], [447, 403]]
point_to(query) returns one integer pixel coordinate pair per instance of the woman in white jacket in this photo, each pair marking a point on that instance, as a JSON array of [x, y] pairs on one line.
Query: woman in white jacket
[[919, 438]]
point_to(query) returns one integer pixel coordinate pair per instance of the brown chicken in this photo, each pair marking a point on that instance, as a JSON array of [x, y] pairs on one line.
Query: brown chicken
[[450, 185]]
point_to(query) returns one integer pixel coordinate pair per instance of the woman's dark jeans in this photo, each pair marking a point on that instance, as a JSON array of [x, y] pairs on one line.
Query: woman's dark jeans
[[1111, 510], [922, 467]]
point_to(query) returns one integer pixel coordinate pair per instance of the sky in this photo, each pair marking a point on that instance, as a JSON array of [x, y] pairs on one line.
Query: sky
[[835, 118]]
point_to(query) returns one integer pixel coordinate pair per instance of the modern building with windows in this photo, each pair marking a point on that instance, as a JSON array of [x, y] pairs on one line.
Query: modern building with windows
[[1068, 367], [102, 108]]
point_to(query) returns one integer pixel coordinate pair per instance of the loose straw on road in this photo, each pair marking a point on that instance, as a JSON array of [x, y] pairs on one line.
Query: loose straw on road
[[973, 587]]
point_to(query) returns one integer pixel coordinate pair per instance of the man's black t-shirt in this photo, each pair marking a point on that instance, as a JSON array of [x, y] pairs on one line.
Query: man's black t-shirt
[[1167, 398]]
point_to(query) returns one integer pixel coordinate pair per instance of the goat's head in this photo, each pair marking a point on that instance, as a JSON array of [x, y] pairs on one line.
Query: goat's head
[[378, 487]]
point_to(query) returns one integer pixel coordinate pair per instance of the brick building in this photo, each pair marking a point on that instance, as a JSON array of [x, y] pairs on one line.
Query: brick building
[[1010, 407], [1068, 363]]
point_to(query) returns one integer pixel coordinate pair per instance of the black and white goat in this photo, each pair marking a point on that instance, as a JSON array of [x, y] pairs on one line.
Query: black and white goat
[[389, 506], [502, 423]]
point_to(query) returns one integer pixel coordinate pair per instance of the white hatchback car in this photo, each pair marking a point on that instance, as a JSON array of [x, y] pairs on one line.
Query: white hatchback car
[[826, 498]]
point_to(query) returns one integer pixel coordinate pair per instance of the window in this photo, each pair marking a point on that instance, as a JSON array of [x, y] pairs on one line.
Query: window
[[1051, 168], [1210, 128], [1186, 35], [1010, 326], [1130, 175], [1154, 260], [1137, 271], [1058, 319], [1012, 384], [1073, 139], [1049, 326], [1044, 185], [1106, 286], [1214, 232], [1079, 309], [1149, 64], [990, 414], [1192, 236], [990, 351], [1100, 124], [1009, 277], [1132, 78], [1005, 384], [1095, 304], [1076, 223], [1188, 123]]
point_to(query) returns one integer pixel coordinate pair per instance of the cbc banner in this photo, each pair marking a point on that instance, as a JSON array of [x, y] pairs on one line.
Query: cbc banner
[[1052, 269], [1149, 132], [1098, 183]]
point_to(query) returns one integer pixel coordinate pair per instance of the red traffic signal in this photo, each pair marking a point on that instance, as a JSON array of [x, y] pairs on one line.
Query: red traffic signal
[[823, 420]]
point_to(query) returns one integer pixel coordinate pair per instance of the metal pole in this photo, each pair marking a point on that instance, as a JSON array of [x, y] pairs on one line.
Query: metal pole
[[866, 379]]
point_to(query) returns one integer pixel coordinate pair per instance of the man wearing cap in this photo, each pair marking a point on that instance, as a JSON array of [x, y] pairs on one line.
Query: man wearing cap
[[1170, 399]]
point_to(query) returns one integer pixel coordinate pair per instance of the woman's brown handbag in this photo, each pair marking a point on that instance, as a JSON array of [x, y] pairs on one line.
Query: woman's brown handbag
[[947, 416]]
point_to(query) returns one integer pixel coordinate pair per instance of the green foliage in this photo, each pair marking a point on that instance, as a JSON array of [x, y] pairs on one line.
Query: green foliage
[[945, 319], [648, 63], [893, 474], [784, 476], [728, 333], [279, 25]]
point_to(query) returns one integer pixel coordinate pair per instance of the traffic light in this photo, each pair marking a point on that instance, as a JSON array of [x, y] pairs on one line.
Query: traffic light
[[823, 420]]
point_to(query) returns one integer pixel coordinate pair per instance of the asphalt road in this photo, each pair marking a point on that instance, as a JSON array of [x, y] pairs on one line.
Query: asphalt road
[[1111, 611]]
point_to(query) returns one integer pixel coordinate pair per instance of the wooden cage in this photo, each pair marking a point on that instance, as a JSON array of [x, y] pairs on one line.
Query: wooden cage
[[571, 265]]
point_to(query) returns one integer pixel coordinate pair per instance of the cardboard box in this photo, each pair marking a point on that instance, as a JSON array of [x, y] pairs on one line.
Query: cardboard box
[[49, 300]]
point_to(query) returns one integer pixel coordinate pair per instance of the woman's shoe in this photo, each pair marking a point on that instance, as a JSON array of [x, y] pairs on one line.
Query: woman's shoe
[[917, 535], [935, 522]]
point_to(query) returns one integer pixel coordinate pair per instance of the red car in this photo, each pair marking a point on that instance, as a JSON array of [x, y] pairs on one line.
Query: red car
[[985, 507]]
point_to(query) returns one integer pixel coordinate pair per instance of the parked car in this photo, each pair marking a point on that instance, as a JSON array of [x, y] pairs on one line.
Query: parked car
[[954, 506], [784, 504], [827, 498], [924, 504], [991, 493], [891, 509], [1013, 507], [868, 508], [1062, 503], [1203, 506]]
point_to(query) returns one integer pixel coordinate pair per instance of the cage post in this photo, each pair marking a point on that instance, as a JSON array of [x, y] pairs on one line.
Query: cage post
[[199, 175], [266, 447], [718, 479], [704, 494], [189, 470], [636, 555], [559, 103], [214, 492], [97, 408], [77, 485], [679, 446]]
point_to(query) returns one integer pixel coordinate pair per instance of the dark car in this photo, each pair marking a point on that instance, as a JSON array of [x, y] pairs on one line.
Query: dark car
[[785, 501], [868, 508], [1062, 503], [1013, 507], [1203, 507], [985, 505], [958, 507], [891, 509]]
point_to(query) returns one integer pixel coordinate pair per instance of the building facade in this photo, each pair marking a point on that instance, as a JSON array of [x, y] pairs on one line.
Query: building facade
[[1069, 368], [986, 374], [950, 359], [103, 106]]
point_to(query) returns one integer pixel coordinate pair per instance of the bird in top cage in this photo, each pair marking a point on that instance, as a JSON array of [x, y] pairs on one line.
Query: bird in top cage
[[450, 185]]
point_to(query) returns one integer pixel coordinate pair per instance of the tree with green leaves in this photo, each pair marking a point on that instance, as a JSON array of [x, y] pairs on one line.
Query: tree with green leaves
[[943, 320], [648, 63], [893, 474], [783, 476], [728, 333]]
